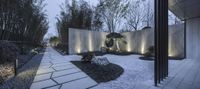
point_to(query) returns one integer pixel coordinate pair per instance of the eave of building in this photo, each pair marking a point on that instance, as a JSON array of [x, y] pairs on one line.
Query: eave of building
[[185, 9]]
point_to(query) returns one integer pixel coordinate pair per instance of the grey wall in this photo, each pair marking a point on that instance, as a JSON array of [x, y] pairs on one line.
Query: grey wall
[[176, 41], [137, 41], [81, 40], [140, 41], [193, 38]]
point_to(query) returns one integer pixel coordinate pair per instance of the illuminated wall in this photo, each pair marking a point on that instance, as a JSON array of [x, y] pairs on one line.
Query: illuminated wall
[[137, 41], [81, 40], [176, 41], [193, 38]]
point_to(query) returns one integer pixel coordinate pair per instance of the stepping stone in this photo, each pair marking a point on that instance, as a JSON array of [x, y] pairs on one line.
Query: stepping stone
[[65, 72], [43, 84], [43, 67], [62, 64], [70, 77], [80, 84], [59, 61], [64, 67], [44, 71], [42, 77], [45, 64], [55, 87]]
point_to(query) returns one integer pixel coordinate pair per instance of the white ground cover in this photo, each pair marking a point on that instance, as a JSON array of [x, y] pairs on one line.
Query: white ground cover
[[138, 74]]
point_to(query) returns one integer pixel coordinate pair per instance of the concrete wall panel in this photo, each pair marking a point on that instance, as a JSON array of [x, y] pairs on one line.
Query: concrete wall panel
[[193, 38], [137, 41]]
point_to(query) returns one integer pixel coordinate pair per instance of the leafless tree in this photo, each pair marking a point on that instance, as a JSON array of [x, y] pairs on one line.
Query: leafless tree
[[173, 20], [148, 12], [135, 15], [112, 12]]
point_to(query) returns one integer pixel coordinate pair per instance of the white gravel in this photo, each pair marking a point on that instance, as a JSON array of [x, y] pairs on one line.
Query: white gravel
[[136, 71]]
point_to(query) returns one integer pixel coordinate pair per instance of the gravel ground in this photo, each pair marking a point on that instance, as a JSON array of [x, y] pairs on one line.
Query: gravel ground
[[6, 71], [25, 75], [100, 73], [136, 72]]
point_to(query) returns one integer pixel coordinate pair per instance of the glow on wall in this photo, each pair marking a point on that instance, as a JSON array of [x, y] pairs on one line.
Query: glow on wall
[[170, 50], [129, 43], [90, 41], [78, 48], [143, 44]]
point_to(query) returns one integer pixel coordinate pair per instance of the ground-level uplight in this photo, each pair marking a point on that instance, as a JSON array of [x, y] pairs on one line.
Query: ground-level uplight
[[16, 66]]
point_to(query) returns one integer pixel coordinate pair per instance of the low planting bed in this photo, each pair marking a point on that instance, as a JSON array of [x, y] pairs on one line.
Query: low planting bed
[[9, 52], [100, 73], [25, 75]]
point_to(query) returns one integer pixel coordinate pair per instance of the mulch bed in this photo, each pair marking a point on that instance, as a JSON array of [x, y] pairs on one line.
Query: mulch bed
[[100, 73], [147, 58]]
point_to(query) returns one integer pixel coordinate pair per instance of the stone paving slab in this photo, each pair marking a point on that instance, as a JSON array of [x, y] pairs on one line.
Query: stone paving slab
[[56, 70], [43, 84], [65, 72], [79, 84], [55, 87], [46, 64], [62, 64], [42, 77], [70, 77], [64, 67], [44, 67], [59, 61], [44, 71]]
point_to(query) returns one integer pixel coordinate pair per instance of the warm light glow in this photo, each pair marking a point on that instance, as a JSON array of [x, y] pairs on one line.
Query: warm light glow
[[142, 50], [143, 45], [170, 51], [90, 45], [78, 50], [129, 43], [128, 49], [103, 39], [78, 43]]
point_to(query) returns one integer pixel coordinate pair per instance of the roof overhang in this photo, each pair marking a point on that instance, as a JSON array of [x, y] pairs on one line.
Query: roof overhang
[[185, 9]]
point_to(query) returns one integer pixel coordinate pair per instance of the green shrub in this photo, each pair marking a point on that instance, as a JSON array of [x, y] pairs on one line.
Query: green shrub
[[8, 52]]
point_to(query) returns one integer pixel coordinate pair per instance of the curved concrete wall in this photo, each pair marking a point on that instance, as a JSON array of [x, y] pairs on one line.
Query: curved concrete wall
[[137, 41], [140, 41]]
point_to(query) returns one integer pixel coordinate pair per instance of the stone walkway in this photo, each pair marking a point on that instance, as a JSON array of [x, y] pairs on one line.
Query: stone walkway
[[56, 72]]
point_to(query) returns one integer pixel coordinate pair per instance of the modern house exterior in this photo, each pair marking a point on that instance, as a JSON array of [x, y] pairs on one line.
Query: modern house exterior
[[186, 10]]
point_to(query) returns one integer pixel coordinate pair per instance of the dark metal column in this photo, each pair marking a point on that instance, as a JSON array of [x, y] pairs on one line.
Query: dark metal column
[[161, 41], [185, 39]]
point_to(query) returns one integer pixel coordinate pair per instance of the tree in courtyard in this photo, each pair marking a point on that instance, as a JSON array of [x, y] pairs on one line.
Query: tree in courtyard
[[23, 20], [54, 41], [76, 15], [112, 12], [148, 13], [135, 15]]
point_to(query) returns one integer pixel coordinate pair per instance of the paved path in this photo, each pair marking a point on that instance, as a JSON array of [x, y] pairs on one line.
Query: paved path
[[56, 72]]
